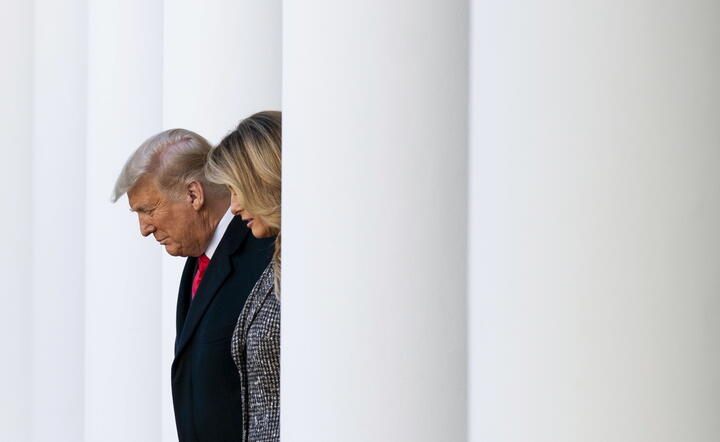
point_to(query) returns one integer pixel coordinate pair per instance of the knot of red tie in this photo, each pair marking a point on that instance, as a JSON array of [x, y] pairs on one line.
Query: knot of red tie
[[202, 262]]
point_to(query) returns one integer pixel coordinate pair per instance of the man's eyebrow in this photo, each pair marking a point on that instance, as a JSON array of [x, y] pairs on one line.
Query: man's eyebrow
[[145, 207]]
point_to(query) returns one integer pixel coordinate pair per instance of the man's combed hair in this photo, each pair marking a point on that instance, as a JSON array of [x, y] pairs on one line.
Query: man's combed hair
[[173, 158]]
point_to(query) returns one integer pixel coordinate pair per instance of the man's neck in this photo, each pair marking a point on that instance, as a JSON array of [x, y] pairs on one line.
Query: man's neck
[[214, 216]]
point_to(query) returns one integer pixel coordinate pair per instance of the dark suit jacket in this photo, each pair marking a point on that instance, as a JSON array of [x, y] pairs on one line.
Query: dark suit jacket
[[205, 381]]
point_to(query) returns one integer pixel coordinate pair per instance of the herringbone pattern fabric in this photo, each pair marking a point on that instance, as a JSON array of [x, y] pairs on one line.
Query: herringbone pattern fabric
[[256, 351]]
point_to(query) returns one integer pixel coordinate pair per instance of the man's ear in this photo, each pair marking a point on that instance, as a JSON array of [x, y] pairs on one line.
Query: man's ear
[[195, 195]]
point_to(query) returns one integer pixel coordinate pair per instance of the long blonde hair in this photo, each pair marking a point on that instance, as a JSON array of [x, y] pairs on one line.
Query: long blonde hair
[[248, 160]]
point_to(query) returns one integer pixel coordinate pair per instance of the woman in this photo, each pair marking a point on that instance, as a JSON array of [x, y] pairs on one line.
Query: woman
[[248, 162]]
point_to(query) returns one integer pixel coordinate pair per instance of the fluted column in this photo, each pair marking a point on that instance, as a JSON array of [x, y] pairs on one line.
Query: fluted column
[[374, 220], [16, 89], [595, 206], [58, 222], [122, 312]]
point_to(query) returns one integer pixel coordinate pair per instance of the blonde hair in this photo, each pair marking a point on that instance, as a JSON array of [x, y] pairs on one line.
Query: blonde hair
[[248, 160]]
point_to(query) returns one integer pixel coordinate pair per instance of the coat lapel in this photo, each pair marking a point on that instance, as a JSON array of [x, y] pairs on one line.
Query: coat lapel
[[183, 305], [263, 288], [217, 272]]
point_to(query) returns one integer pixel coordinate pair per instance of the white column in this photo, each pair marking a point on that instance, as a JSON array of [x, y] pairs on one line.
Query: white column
[[222, 62], [58, 222], [374, 221], [122, 310], [16, 34], [595, 206]]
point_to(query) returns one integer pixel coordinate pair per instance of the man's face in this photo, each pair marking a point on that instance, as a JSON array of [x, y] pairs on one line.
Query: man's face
[[175, 224]]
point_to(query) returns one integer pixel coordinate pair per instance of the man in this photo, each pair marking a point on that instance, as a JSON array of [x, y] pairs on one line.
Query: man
[[190, 216]]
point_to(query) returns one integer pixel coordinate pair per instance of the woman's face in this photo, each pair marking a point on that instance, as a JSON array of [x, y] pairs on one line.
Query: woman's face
[[255, 223]]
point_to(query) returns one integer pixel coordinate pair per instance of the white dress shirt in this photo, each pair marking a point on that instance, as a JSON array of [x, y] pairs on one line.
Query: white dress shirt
[[218, 233]]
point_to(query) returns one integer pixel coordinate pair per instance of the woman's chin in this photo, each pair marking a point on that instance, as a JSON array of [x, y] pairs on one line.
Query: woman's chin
[[259, 232]]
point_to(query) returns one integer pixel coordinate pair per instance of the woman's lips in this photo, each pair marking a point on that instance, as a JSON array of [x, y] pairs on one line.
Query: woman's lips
[[249, 222]]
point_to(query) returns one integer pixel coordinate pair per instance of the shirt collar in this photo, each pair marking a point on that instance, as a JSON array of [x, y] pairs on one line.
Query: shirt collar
[[218, 233]]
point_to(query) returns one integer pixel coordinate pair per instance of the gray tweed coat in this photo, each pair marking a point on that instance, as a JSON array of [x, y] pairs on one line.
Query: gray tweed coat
[[256, 352]]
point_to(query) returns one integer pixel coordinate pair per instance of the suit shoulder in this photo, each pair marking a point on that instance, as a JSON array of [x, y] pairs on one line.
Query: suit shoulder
[[263, 246]]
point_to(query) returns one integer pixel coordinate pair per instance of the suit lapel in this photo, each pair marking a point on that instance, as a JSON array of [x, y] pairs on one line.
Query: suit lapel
[[183, 305], [217, 272]]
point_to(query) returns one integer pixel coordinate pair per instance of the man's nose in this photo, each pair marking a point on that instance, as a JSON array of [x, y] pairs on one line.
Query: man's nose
[[146, 228]]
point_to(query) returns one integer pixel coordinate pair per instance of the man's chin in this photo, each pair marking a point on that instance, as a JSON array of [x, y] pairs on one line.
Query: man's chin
[[172, 251]]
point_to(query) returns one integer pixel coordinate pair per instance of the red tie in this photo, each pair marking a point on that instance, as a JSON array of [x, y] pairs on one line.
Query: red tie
[[203, 262]]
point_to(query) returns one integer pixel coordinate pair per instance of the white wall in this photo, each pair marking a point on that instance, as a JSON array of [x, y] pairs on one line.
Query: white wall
[[58, 224], [16, 88], [595, 207], [374, 221]]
